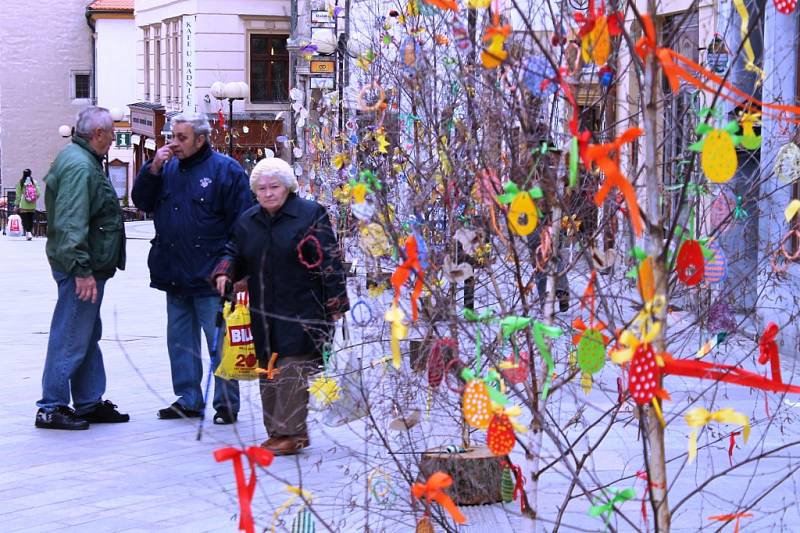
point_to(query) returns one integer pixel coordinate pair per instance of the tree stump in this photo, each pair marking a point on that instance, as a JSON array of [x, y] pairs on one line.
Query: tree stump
[[476, 474]]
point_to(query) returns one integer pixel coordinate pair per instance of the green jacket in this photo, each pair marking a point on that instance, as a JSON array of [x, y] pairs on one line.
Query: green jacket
[[21, 202], [85, 230]]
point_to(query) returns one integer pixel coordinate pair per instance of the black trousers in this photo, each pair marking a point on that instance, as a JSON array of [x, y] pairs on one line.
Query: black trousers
[[27, 220]]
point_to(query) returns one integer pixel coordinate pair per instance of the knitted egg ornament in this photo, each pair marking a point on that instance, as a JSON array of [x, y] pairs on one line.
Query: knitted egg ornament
[[644, 375], [690, 264], [500, 437], [507, 485], [787, 163], [476, 405], [304, 522], [717, 267]]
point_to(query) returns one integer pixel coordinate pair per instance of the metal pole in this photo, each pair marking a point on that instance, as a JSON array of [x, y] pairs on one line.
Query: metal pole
[[230, 127]]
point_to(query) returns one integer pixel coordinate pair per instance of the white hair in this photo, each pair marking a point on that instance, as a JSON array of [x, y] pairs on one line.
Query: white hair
[[276, 167], [92, 118], [199, 122]]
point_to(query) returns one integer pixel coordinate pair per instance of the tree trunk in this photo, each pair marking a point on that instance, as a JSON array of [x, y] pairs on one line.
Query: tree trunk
[[476, 474]]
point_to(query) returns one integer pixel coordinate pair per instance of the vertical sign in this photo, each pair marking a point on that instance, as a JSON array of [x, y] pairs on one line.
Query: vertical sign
[[189, 67]]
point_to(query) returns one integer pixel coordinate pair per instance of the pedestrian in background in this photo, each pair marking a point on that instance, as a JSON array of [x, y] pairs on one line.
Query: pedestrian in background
[[195, 195], [297, 289], [85, 247], [27, 193]]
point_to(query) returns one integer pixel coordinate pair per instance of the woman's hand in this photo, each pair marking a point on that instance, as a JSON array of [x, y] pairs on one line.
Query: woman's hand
[[222, 283]]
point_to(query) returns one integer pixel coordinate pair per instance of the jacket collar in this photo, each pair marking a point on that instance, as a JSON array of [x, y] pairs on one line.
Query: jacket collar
[[290, 207], [83, 143], [198, 157]]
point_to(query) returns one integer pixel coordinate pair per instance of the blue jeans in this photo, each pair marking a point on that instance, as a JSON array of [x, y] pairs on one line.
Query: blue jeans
[[186, 315], [74, 360]]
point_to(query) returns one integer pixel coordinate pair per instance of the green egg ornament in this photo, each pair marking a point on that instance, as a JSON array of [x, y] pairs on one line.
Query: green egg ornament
[[591, 351]]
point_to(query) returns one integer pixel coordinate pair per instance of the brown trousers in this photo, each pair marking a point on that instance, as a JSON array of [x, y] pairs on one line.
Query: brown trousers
[[284, 399]]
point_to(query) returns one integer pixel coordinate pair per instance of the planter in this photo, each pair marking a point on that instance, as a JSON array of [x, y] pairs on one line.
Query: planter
[[476, 474]]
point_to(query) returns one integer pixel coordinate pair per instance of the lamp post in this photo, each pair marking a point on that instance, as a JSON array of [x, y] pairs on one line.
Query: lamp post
[[231, 91]]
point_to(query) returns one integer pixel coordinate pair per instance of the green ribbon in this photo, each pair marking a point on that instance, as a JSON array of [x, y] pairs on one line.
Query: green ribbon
[[368, 176], [619, 496], [485, 318], [511, 192], [540, 331], [573, 162], [492, 378], [512, 324]]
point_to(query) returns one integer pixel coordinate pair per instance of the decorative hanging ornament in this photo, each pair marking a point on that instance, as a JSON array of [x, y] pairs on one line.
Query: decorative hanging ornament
[[425, 526], [750, 140], [409, 55], [476, 405], [690, 264], [645, 375], [717, 150], [785, 6], [523, 216], [645, 281], [721, 211], [787, 163], [493, 55], [515, 369], [500, 436], [325, 390], [507, 485], [591, 351], [304, 522], [716, 268]]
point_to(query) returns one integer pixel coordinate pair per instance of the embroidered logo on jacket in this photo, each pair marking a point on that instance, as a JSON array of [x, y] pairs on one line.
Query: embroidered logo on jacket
[[205, 182]]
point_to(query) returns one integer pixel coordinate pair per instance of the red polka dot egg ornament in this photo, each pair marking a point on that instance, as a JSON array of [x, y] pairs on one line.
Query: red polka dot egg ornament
[[476, 405], [645, 375], [785, 6], [690, 263], [500, 437]]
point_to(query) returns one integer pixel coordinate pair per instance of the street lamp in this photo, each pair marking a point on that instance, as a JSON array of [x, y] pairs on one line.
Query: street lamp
[[231, 91], [65, 131]]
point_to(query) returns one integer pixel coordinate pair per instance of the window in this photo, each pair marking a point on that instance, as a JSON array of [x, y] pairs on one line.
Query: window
[[146, 65], [269, 68], [82, 87]]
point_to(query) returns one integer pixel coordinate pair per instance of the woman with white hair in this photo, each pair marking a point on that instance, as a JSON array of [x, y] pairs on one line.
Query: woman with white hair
[[287, 250]]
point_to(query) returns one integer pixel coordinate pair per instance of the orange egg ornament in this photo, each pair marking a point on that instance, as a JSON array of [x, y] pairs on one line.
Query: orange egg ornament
[[500, 437], [475, 404]]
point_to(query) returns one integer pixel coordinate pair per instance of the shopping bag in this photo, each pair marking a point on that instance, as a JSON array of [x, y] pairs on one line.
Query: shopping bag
[[239, 359], [14, 227]]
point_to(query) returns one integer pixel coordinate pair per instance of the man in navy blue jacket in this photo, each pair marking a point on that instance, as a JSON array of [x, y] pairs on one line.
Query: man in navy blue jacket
[[195, 195]]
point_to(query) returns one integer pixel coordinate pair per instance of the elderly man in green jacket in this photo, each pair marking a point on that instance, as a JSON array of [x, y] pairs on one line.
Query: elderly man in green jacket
[[85, 247]]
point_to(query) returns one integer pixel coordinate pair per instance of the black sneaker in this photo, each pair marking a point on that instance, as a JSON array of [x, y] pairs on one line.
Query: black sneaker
[[105, 413], [563, 300], [176, 411], [60, 418], [224, 417]]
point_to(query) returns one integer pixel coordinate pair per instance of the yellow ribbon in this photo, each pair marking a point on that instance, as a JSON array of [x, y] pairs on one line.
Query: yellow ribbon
[[647, 320], [750, 64], [791, 209], [700, 417], [296, 492], [512, 413], [325, 390], [396, 316]]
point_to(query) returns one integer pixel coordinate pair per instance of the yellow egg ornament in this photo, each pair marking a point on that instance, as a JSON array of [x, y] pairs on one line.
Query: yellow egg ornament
[[718, 151], [523, 216], [596, 45]]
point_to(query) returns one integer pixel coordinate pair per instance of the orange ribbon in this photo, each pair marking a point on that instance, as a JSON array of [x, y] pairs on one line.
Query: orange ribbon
[[452, 5], [432, 491], [403, 272], [729, 517], [647, 45], [255, 455], [600, 155]]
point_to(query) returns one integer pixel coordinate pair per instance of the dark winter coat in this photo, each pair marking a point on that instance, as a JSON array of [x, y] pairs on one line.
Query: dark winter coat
[[195, 202], [85, 230], [291, 305]]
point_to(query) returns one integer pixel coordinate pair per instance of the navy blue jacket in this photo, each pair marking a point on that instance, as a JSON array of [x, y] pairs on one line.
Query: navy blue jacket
[[195, 202], [292, 301]]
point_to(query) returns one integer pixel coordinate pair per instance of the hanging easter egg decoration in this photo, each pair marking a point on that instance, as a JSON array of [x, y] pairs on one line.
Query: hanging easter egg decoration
[[690, 264], [476, 405], [500, 437], [538, 76], [716, 269], [645, 280], [425, 526], [523, 217], [644, 375], [303, 522], [721, 214], [591, 351], [516, 370], [409, 55], [496, 34], [596, 44], [717, 149], [507, 485], [785, 6], [787, 163], [750, 140]]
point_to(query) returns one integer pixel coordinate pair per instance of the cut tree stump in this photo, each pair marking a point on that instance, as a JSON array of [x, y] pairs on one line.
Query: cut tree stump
[[476, 474]]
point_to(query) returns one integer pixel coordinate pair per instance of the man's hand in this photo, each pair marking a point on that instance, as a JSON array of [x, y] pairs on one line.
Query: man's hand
[[163, 155], [86, 288], [221, 282]]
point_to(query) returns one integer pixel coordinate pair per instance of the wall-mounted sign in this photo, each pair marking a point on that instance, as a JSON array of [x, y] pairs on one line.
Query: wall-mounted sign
[[122, 139], [322, 66], [189, 66], [318, 82]]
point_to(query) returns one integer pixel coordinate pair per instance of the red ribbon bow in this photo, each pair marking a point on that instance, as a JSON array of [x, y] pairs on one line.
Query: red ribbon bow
[[432, 490], [601, 155], [729, 517], [255, 455], [769, 351], [403, 272]]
